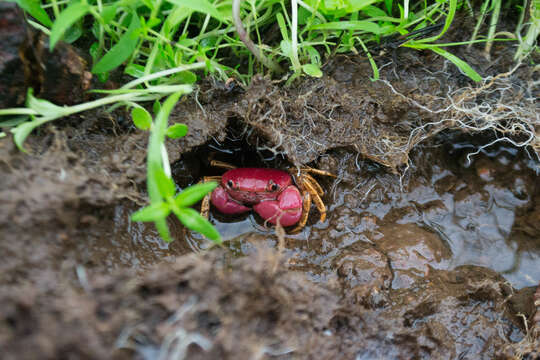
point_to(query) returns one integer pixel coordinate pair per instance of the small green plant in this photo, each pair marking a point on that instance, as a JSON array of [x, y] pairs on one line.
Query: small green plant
[[151, 36], [161, 187], [527, 43], [41, 111]]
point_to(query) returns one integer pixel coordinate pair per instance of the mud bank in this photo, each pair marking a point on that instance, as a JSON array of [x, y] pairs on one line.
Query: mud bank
[[430, 248]]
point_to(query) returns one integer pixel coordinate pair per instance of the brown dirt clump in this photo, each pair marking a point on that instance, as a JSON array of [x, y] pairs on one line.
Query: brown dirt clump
[[215, 306], [239, 309], [384, 120]]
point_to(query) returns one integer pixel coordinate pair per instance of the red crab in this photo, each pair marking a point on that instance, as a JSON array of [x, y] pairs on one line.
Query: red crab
[[271, 193]]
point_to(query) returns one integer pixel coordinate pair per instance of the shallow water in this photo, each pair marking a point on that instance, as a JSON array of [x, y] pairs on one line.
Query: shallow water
[[445, 212], [463, 213]]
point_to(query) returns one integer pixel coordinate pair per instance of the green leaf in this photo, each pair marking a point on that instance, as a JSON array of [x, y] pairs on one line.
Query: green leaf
[[452, 6], [282, 27], [13, 121], [312, 70], [194, 221], [371, 61], [141, 118], [178, 14], [165, 184], [94, 50], [109, 12], [163, 230], [194, 193], [356, 5], [360, 25], [388, 4], [203, 6], [177, 131], [148, 4], [47, 111], [286, 47], [314, 55], [33, 7], [21, 132], [373, 11], [122, 50], [304, 16], [462, 65], [73, 33], [156, 107], [152, 212], [153, 22], [68, 17], [134, 70], [186, 77], [43, 107]]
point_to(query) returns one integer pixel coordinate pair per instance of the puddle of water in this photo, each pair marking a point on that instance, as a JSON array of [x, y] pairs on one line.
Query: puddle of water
[[115, 241], [482, 212], [474, 210]]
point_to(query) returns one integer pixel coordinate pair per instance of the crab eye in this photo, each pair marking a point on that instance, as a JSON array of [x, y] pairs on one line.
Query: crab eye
[[272, 186], [230, 184]]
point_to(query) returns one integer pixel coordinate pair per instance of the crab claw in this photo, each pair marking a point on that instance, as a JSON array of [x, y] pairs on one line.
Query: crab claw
[[225, 203], [287, 209]]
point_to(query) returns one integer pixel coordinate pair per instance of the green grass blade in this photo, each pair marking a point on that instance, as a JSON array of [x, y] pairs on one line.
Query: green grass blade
[[33, 7], [356, 5], [202, 6], [371, 60], [282, 26], [447, 22], [68, 17], [122, 50], [462, 65]]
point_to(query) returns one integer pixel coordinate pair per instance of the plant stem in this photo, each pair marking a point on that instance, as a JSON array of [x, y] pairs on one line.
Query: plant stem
[[18, 111], [294, 36], [198, 65], [479, 22], [527, 44], [492, 27], [244, 37]]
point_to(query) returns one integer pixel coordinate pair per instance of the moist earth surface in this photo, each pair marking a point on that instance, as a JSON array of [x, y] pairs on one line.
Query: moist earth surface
[[430, 248]]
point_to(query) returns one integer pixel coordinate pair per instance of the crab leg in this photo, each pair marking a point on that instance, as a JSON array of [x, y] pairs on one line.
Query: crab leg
[[317, 171], [313, 183], [316, 199], [306, 206], [222, 164], [205, 204], [320, 206]]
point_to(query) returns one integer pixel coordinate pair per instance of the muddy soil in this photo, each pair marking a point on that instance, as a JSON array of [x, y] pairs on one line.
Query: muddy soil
[[431, 247]]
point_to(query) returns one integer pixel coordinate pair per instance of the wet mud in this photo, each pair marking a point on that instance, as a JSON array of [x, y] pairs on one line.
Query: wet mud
[[430, 249]]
